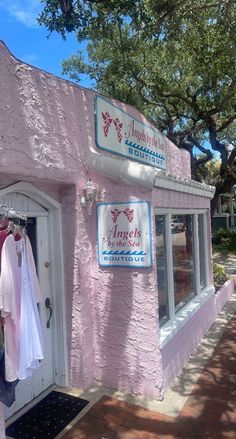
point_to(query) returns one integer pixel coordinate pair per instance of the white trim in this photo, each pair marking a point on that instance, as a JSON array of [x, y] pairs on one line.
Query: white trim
[[206, 249], [170, 270], [32, 214], [196, 253], [174, 211], [62, 372], [32, 191], [221, 215], [171, 328], [182, 184], [131, 172], [123, 170], [57, 270], [178, 318]]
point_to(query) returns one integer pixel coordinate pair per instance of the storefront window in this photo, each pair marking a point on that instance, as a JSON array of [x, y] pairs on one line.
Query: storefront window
[[226, 203], [162, 269], [183, 260], [201, 251], [181, 269]]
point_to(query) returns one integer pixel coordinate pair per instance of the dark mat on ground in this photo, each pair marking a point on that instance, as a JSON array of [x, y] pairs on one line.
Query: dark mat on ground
[[47, 418]]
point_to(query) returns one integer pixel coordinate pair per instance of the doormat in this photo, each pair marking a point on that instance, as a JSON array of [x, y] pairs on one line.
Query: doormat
[[47, 418]]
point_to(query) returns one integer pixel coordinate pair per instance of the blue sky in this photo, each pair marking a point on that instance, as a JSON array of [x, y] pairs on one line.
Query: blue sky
[[28, 41]]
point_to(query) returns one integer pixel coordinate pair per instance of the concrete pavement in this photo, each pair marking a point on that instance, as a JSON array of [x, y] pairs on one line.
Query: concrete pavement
[[200, 404]]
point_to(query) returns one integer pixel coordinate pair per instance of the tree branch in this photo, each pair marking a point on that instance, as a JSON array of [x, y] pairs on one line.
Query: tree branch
[[226, 123], [232, 157]]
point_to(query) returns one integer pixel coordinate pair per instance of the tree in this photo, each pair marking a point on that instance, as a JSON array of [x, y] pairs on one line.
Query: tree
[[209, 172], [172, 59]]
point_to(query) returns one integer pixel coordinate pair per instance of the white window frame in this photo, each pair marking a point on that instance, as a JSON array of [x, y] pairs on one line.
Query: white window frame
[[178, 319]]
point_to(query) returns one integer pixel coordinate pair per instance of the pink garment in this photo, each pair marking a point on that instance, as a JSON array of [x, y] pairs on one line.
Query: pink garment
[[10, 286], [19, 295], [3, 235]]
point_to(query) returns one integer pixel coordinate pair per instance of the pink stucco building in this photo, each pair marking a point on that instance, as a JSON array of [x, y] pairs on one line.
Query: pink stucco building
[[127, 270]]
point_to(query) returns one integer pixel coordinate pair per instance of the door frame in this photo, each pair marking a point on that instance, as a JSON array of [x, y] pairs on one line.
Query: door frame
[[60, 353]]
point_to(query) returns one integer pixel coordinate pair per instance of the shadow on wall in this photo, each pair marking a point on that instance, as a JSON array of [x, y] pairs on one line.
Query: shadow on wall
[[118, 350], [208, 413], [127, 355], [78, 255]]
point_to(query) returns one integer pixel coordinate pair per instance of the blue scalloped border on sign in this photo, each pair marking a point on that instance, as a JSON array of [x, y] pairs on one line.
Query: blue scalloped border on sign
[[138, 147], [125, 252]]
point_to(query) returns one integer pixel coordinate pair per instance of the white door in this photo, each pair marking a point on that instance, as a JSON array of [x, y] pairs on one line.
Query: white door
[[42, 378]]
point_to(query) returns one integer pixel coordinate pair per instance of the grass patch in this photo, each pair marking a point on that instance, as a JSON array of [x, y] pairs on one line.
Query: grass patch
[[224, 241], [224, 248]]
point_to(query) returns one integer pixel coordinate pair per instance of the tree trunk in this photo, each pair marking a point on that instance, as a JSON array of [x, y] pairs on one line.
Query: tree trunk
[[214, 202]]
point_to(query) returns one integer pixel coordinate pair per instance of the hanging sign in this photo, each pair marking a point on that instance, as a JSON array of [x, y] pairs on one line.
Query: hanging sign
[[124, 234], [119, 133]]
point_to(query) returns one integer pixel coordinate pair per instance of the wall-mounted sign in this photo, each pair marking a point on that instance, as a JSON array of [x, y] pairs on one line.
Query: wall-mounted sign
[[124, 234], [120, 133]]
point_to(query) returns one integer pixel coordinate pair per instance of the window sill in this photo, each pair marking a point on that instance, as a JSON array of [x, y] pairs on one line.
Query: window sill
[[171, 328]]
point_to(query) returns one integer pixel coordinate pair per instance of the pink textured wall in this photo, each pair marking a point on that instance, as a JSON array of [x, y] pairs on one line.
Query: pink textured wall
[[126, 343], [53, 125], [176, 353], [47, 142], [113, 333], [223, 295]]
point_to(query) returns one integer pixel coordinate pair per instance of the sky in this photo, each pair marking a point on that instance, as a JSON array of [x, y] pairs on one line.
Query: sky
[[28, 41]]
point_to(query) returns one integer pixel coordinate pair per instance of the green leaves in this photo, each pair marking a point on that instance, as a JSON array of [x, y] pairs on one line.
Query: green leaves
[[172, 59]]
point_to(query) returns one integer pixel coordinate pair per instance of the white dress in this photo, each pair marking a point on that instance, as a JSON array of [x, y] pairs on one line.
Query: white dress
[[19, 295], [31, 340], [10, 291]]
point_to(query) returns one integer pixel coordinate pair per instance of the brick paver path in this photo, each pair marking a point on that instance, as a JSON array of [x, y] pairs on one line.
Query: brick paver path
[[209, 413]]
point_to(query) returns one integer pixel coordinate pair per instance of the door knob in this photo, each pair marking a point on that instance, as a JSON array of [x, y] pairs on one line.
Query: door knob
[[49, 306], [46, 264]]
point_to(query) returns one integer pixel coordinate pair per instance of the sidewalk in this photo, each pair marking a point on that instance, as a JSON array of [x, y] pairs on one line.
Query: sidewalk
[[201, 403]]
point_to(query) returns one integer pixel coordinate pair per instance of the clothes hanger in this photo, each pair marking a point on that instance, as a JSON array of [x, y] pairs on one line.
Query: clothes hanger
[[11, 227]]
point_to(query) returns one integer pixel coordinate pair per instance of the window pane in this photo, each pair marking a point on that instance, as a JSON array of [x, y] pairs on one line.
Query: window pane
[[162, 269], [183, 263], [201, 251], [226, 201]]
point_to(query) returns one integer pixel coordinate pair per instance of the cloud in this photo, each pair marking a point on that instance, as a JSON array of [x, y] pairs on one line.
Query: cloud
[[24, 11]]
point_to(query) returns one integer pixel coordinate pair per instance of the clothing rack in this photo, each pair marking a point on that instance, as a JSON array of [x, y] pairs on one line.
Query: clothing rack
[[9, 211]]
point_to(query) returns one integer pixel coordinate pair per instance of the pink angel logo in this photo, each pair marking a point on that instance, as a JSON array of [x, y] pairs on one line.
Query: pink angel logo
[[129, 214], [115, 214], [108, 121], [118, 126]]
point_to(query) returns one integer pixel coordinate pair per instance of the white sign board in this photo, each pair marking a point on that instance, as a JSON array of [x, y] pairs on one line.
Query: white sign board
[[124, 234], [120, 133]]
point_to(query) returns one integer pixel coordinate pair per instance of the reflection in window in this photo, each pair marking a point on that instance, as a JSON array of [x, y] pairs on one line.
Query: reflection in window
[[226, 203], [201, 251], [183, 261], [162, 269]]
